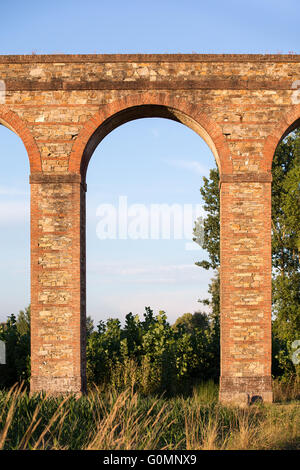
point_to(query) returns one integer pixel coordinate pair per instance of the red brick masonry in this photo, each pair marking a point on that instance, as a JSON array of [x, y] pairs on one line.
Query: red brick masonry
[[62, 106]]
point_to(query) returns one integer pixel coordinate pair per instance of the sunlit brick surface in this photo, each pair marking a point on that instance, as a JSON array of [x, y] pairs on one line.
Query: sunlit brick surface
[[63, 106]]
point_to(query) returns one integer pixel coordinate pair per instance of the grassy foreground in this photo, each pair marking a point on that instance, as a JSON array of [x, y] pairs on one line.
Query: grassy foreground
[[111, 420]]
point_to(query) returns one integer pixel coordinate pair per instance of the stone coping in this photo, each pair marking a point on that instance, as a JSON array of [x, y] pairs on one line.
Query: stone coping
[[94, 58]]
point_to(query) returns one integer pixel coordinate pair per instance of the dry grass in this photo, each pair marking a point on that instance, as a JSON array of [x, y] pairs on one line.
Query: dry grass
[[286, 391], [201, 434], [126, 426], [272, 427], [109, 420]]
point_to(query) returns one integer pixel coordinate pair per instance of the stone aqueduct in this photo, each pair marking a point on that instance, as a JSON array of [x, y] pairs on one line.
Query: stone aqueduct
[[62, 106]]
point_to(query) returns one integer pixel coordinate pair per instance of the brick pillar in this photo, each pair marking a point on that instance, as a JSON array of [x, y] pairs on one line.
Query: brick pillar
[[245, 288], [57, 283]]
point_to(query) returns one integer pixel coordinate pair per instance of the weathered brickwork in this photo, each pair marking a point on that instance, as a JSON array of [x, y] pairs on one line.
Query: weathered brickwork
[[63, 106]]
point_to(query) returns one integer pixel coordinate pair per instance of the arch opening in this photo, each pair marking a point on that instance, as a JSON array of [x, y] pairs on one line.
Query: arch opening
[[125, 173], [103, 125], [14, 221]]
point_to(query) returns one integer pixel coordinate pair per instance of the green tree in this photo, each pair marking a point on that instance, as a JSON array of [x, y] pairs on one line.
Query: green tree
[[285, 252], [16, 335], [211, 224], [285, 249], [211, 243], [23, 321], [286, 205], [133, 333], [89, 326], [190, 322]]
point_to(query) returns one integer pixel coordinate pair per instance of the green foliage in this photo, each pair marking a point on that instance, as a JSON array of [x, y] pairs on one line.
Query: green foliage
[[89, 326], [16, 335], [286, 205], [103, 350], [152, 354], [211, 237], [211, 243], [190, 321], [285, 252]]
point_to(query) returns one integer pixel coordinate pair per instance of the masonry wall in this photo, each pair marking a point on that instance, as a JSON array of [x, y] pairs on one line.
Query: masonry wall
[[61, 107], [245, 290], [57, 303]]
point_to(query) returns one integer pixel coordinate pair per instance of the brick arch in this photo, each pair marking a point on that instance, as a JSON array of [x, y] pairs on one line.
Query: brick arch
[[136, 106], [13, 122], [289, 122]]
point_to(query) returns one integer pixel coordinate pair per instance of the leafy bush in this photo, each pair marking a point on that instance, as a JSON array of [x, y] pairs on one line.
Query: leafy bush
[[16, 335], [160, 357]]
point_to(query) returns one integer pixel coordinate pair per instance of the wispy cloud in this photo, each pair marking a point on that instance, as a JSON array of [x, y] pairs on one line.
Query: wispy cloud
[[12, 191], [14, 212], [190, 165], [155, 132], [157, 274], [116, 268], [173, 302]]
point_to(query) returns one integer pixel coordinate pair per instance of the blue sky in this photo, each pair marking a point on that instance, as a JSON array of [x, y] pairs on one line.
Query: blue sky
[[149, 160], [156, 26]]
